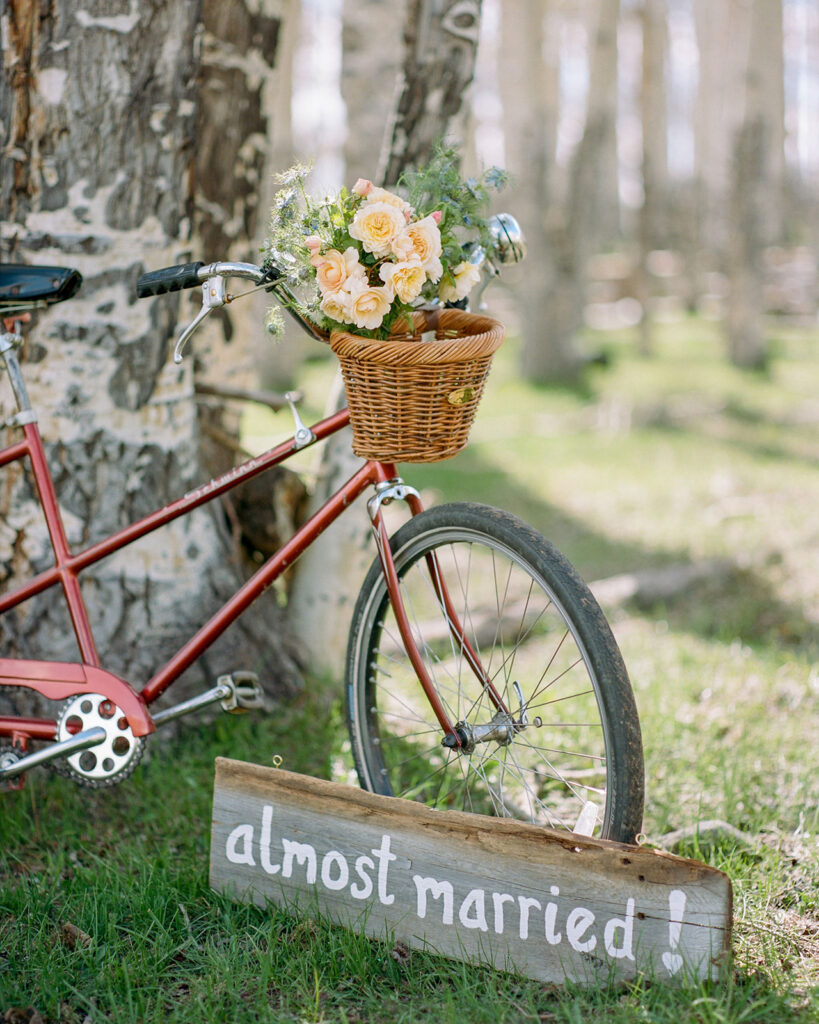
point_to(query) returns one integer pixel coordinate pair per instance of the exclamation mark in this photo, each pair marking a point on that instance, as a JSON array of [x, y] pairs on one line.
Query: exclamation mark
[[676, 908]]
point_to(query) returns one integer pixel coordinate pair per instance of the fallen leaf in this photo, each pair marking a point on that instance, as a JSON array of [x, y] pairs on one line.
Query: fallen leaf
[[400, 952], [72, 936]]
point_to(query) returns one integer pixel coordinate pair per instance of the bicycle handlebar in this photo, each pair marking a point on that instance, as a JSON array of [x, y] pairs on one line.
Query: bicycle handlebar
[[507, 246], [189, 275]]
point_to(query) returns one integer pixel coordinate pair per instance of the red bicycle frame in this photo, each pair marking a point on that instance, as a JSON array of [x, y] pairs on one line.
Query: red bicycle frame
[[58, 680], [61, 680]]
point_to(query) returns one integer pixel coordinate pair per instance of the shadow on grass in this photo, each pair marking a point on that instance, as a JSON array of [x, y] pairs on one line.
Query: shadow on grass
[[737, 604]]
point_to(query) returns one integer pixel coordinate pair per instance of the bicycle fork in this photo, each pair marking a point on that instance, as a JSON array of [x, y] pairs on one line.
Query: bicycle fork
[[459, 735]]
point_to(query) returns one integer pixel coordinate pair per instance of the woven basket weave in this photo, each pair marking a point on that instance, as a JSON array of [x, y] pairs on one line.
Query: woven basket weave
[[413, 400]]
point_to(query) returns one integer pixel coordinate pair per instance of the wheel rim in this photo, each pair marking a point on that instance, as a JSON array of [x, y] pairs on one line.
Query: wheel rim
[[551, 771]]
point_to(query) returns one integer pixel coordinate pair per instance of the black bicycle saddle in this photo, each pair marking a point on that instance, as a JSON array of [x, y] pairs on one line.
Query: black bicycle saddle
[[20, 284]]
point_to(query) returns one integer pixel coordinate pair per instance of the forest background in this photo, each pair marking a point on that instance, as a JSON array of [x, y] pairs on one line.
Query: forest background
[[654, 413]]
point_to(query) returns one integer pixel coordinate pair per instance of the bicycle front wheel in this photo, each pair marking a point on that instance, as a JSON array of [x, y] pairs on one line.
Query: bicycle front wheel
[[547, 724]]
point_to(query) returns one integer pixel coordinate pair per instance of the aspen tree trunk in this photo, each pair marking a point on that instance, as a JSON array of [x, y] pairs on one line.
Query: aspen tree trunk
[[99, 115], [722, 40], [327, 578], [600, 135], [529, 82], [440, 46], [578, 211], [654, 123], [755, 204], [440, 41]]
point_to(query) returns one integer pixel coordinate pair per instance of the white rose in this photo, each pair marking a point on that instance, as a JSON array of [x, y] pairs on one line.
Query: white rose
[[405, 279], [466, 275], [375, 225]]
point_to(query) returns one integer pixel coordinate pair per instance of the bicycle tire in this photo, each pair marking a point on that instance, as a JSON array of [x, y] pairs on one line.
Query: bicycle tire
[[533, 622]]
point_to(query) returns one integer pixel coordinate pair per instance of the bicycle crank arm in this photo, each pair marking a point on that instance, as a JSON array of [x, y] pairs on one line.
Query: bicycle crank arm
[[236, 693], [83, 740]]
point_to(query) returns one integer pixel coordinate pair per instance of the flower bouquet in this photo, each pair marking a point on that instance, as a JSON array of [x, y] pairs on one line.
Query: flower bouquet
[[370, 257], [369, 254]]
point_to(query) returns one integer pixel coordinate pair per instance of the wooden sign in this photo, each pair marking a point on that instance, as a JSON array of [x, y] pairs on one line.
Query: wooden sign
[[549, 905]]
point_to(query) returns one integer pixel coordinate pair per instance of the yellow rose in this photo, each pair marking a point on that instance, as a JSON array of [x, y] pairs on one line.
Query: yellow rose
[[369, 305], [375, 225], [466, 275], [426, 244], [336, 305], [381, 195], [405, 279]]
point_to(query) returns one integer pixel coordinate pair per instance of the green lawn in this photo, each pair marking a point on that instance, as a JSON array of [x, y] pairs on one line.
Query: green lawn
[[105, 913]]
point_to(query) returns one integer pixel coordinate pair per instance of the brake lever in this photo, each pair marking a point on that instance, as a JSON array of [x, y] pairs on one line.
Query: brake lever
[[213, 296]]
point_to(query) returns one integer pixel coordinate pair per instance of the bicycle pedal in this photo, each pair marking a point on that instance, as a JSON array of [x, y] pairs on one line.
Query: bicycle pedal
[[245, 692]]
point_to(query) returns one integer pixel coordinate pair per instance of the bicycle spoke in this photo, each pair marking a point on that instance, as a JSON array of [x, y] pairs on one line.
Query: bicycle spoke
[[484, 617]]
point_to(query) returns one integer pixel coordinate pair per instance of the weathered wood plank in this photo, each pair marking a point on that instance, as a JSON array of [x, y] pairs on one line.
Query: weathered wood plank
[[549, 905]]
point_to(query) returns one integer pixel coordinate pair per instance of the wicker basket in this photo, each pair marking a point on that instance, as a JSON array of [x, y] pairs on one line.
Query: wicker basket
[[412, 400]]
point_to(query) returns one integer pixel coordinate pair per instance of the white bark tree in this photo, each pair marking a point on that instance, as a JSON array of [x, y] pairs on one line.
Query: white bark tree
[[653, 218], [99, 120], [756, 192], [440, 42]]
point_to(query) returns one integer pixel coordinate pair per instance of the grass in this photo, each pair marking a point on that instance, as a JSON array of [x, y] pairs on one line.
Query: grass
[[105, 913]]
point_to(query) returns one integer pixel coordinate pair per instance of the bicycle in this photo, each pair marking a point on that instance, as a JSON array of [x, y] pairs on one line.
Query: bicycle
[[481, 673]]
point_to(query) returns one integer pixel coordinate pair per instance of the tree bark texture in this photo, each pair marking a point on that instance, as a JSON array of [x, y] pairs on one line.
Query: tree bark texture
[[371, 62], [652, 227], [755, 197], [440, 44], [99, 113]]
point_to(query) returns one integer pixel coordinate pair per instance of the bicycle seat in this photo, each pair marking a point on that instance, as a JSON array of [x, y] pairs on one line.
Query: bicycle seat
[[21, 284]]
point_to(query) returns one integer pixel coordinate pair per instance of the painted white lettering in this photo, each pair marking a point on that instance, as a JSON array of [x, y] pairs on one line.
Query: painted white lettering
[[264, 841], [626, 925], [328, 860], [475, 902], [241, 834], [498, 900], [361, 892], [301, 853], [550, 919], [437, 890], [383, 856], [577, 924], [526, 904]]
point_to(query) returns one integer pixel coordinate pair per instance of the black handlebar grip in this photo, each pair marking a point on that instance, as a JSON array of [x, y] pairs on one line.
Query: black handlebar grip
[[169, 279]]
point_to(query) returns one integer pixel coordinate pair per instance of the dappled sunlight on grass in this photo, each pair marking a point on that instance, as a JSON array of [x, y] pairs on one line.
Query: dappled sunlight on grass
[[672, 461]]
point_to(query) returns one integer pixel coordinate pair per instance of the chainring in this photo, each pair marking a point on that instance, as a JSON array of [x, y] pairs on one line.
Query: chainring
[[111, 761], [10, 755]]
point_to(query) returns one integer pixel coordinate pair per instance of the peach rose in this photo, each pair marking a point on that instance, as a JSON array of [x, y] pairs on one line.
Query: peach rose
[[426, 244], [405, 279], [402, 247], [363, 187], [466, 275], [375, 225], [369, 305], [334, 268], [313, 243]]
